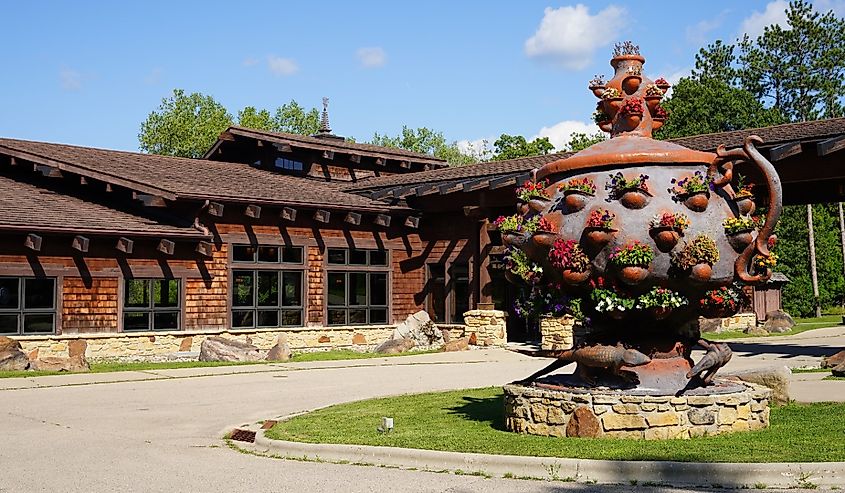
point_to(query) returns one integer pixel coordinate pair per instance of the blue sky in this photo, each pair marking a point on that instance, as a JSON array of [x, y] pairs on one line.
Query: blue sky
[[88, 73]]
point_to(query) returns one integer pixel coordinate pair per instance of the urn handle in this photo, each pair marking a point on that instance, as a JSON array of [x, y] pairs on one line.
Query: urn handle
[[723, 164]]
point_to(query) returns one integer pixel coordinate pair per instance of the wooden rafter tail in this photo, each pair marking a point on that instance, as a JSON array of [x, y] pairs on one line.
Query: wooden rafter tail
[[288, 214], [48, 171], [829, 146], [427, 189], [205, 248], [412, 222], [355, 158], [382, 220], [783, 151], [353, 218], [33, 242], [322, 216], [503, 181], [380, 161], [125, 245], [80, 243], [166, 246], [149, 200], [448, 188], [215, 209], [253, 211], [405, 164], [381, 194], [328, 155], [472, 186]]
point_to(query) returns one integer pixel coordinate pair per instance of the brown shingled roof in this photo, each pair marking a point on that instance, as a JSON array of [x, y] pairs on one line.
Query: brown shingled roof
[[778, 134], [28, 208], [336, 145], [182, 178]]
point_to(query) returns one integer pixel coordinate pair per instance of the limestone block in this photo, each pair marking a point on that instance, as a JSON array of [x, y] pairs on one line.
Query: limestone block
[[665, 433], [613, 421], [556, 416], [727, 416], [701, 400], [539, 412], [743, 412], [699, 416], [662, 419], [626, 408], [605, 399]]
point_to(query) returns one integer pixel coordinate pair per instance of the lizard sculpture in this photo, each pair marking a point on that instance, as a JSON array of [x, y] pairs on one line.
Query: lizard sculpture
[[597, 356], [718, 354]]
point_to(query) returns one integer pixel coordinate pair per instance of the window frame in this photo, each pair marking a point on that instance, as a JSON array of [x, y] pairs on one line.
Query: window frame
[[368, 269], [151, 309], [21, 311], [449, 280]]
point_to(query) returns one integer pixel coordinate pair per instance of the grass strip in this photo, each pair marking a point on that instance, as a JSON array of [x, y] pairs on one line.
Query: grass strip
[[473, 421], [801, 325]]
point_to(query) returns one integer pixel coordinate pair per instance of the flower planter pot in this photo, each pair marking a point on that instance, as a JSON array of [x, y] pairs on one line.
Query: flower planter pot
[[634, 198], [696, 202], [522, 207], [575, 200], [701, 272], [745, 204], [606, 126], [631, 120], [740, 240], [538, 204], [597, 238], [632, 274], [544, 239], [631, 84], [612, 105], [660, 312], [657, 123], [663, 87], [717, 312], [665, 238], [598, 90], [574, 278], [513, 278], [652, 102]]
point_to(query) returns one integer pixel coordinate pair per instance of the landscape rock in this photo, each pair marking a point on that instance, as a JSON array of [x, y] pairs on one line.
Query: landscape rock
[[775, 378], [838, 371], [421, 329], [222, 349], [834, 360], [778, 321], [461, 344], [447, 335], [58, 363], [395, 346], [77, 347], [280, 352], [12, 357], [583, 424], [756, 331], [710, 325]]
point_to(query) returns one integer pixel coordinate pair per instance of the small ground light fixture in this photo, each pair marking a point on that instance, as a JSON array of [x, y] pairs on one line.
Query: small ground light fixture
[[386, 425]]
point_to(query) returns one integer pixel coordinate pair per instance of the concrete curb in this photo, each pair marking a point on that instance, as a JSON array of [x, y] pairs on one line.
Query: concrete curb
[[728, 475]]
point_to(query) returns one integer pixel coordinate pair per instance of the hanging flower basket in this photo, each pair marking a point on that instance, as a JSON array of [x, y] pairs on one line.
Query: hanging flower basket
[[632, 193], [740, 232], [697, 258], [576, 193], [666, 229], [633, 261], [570, 260], [599, 229]]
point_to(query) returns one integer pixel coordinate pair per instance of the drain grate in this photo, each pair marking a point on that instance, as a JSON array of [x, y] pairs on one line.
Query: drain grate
[[242, 435]]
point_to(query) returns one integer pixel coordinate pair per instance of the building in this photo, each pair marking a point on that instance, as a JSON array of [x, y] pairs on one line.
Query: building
[[327, 241]]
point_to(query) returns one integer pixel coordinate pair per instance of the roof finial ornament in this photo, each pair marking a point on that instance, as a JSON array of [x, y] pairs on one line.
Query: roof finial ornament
[[325, 128]]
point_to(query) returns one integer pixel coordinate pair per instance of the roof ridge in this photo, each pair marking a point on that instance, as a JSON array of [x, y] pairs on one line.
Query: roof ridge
[[780, 125]]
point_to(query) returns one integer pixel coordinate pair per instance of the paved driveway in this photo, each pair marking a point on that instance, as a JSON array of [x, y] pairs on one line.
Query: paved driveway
[[160, 431]]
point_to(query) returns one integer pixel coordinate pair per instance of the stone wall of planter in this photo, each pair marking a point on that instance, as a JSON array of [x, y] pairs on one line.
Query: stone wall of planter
[[539, 411], [556, 332], [489, 327]]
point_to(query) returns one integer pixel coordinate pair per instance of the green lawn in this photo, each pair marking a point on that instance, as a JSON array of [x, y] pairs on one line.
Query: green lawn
[[801, 325], [472, 421], [112, 366]]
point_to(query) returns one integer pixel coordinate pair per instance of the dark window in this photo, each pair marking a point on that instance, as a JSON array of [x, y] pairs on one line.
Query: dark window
[[27, 305], [266, 254], [151, 304], [437, 292], [288, 164], [266, 298], [460, 292], [342, 256], [357, 297]]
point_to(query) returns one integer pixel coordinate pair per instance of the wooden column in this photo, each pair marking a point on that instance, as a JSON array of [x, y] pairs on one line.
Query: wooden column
[[485, 284], [813, 273]]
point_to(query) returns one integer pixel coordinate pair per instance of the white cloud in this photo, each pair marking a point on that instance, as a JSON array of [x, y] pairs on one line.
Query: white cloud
[[754, 24], [837, 6], [70, 80], [250, 61], [698, 34], [282, 66], [560, 133], [371, 57], [569, 35], [478, 148]]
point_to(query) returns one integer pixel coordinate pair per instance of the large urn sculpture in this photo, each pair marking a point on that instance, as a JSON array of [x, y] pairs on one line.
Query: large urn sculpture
[[655, 253]]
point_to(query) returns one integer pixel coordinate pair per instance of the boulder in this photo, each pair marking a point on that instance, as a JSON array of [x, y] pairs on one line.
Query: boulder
[[710, 325], [756, 331], [775, 378], [222, 349], [280, 352], [58, 363], [447, 335], [583, 424], [838, 371], [12, 357], [77, 347], [834, 360], [461, 344], [395, 346], [421, 329], [778, 321]]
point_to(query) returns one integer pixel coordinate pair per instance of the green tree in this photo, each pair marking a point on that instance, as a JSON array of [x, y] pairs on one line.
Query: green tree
[[516, 146], [425, 141], [184, 125], [250, 117], [580, 141], [293, 118]]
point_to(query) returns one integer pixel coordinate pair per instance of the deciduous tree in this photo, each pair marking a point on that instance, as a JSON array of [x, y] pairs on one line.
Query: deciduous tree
[[184, 125]]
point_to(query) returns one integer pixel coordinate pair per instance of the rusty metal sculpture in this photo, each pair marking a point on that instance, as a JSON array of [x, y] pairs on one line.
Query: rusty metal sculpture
[[631, 218]]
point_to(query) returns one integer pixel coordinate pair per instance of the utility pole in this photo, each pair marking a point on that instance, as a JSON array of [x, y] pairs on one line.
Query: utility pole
[[813, 273]]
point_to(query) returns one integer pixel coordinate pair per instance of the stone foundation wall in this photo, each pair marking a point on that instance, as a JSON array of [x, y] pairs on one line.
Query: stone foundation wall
[[538, 411], [739, 323], [556, 332], [489, 326]]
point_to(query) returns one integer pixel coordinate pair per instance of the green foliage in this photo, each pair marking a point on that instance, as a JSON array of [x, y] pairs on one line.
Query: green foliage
[[632, 254], [426, 141], [293, 118], [516, 146], [250, 117], [580, 141], [185, 125], [659, 297], [701, 250]]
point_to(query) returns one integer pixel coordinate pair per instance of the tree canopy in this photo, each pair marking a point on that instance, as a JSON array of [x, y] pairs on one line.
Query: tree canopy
[[516, 146], [425, 141]]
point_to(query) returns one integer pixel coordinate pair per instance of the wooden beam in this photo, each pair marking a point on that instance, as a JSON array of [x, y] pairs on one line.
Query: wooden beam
[[502, 181], [471, 186], [205, 248], [33, 242], [412, 222], [166, 247], [215, 209], [328, 154], [353, 218], [381, 161], [783, 151], [48, 171], [829, 146], [404, 191], [472, 211], [384, 193], [405, 164], [80, 243], [12, 161], [355, 158], [282, 147], [226, 135], [82, 180], [427, 189], [448, 188], [288, 214], [253, 211], [149, 200], [125, 245], [322, 216], [382, 220]]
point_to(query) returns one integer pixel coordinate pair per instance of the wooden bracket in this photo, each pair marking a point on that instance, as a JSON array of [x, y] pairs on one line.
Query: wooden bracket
[[33, 242], [288, 214], [784, 151], [125, 245], [205, 248], [253, 211], [382, 220], [322, 216], [353, 218], [412, 222], [166, 247], [80, 243], [215, 209]]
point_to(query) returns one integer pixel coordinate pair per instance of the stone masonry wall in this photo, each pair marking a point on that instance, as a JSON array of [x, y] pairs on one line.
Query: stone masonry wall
[[489, 327], [556, 332]]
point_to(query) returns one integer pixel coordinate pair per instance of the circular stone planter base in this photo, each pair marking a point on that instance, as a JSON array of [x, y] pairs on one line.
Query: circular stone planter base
[[603, 412]]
